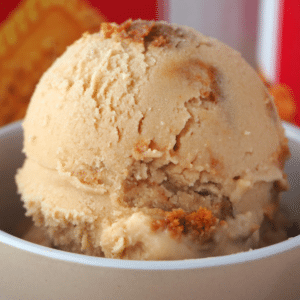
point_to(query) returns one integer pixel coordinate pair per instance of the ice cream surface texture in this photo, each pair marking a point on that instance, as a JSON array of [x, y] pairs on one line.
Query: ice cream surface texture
[[152, 141]]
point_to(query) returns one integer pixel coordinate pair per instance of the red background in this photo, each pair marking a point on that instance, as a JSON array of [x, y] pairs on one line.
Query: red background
[[119, 11], [114, 11], [289, 63]]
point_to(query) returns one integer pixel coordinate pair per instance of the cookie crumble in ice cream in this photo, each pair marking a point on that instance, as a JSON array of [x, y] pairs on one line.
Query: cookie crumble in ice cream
[[151, 141]]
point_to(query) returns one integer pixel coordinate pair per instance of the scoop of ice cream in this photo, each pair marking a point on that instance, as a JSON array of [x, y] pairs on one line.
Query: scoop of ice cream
[[152, 141]]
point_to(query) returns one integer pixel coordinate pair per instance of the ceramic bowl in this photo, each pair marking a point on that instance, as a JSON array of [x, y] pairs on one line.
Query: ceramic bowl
[[30, 271]]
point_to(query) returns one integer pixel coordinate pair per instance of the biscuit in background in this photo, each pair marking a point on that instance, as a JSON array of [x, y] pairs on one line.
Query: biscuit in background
[[35, 34]]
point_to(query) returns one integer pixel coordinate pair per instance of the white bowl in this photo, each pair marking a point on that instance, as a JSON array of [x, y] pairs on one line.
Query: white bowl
[[30, 271]]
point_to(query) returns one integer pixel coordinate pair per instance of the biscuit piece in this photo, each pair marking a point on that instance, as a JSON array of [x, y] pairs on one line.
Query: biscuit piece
[[30, 40]]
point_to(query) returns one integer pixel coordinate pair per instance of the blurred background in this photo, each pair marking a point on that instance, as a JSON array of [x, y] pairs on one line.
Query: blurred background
[[33, 33]]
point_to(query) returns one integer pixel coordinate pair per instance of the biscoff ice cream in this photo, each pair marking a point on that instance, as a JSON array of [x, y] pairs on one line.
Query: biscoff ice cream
[[152, 141]]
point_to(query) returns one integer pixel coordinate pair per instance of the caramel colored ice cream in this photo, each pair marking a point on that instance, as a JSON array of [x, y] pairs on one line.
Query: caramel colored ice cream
[[152, 141]]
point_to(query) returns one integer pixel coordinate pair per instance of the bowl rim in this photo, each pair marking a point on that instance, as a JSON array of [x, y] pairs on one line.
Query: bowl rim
[[293, 132]]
